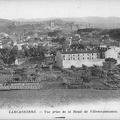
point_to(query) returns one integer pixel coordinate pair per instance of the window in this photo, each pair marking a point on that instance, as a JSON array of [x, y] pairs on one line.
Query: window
[[73, 57], [83, 58], [63, 57], [78, 56], [69, 57], [92, 53]]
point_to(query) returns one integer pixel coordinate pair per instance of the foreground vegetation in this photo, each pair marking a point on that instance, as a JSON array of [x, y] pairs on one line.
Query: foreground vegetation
[[96, 77]]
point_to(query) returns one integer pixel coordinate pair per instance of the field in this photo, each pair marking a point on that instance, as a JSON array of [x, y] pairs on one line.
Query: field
[[53, 94], [54, 97]]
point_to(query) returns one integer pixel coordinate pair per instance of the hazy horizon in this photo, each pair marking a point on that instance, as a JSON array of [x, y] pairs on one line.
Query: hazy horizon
[[68, 17], [33, 9]]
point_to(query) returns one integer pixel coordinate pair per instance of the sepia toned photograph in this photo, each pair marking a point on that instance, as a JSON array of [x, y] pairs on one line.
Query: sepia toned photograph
[[59, 59]]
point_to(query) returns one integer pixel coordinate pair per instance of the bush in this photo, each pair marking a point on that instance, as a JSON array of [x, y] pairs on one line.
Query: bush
[[114, 61]]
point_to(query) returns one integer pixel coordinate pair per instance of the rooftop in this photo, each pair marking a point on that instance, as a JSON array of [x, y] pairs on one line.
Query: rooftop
[[71, 51]]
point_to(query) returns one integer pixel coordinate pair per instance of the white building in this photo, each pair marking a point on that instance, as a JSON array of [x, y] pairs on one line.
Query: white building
[[113, 52], [20, 61], [67, 58]]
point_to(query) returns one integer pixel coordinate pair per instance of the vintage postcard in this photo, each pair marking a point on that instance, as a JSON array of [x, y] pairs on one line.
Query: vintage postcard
[[60, 59]]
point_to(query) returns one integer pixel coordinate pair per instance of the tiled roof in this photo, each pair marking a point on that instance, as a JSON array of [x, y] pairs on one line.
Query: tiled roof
[[78, 51]]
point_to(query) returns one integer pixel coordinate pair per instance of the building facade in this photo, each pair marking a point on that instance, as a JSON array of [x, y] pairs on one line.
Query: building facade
[[113, 52], [67, 58]]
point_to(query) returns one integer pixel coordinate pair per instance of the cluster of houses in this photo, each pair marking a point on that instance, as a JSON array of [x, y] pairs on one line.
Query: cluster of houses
[[67, 57], [76, 57]]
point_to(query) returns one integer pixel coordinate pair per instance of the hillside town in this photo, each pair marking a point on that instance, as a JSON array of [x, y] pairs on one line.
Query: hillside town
[[60, 54], [59, 59]]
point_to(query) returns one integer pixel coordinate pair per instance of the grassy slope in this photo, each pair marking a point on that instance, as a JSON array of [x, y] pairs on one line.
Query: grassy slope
[[54, 97]]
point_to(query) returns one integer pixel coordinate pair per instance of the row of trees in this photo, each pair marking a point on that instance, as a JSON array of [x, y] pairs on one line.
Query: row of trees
[[59, 40], [109, 66], [9, 54], [79, 31], [114, 34], [38, 51], [77, 45], [54, 33]]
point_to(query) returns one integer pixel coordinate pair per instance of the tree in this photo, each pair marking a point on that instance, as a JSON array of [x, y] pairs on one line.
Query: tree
[[20, 73], [50, 67], [86, 76], [111, 60], [96, 71], [9, 54], [13, 54], [59, 40], [38, 51], [54, 33], [62, 40], [114, 34], [85, 68], [79, 31], [73, 68], [78, 46], [1, 62], [109, 64], [21, 54]]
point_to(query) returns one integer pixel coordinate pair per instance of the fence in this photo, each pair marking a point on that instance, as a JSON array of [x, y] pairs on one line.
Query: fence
[[22, 86]]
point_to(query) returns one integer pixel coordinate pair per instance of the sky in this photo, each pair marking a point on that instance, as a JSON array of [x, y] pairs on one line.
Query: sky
[[30, 9]]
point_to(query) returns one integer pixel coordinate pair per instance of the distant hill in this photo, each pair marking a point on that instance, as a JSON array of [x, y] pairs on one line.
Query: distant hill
[[95, 19], [5, 23], [99, 22], [8, 26]]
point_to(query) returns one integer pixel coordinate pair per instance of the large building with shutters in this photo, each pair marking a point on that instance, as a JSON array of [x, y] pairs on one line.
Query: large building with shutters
[[68, 58]]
